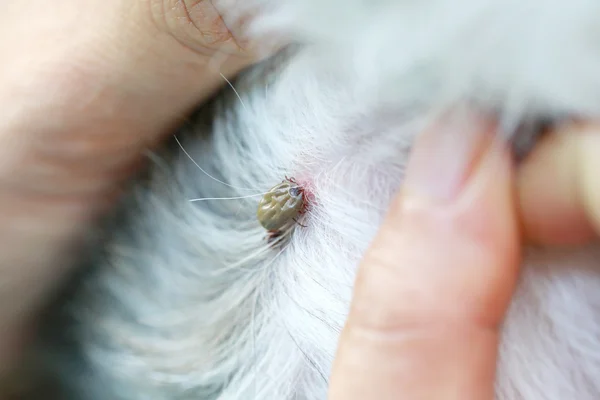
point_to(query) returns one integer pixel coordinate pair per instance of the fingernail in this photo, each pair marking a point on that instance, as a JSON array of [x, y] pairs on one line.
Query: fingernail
[[445, 154]]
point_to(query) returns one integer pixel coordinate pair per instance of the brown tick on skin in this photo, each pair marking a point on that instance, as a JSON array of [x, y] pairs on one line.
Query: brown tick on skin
[[280, 207]]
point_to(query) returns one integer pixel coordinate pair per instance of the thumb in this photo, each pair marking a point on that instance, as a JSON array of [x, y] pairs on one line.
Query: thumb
[[433, 289]]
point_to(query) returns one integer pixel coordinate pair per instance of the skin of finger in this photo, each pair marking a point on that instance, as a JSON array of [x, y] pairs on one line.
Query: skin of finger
[[558, 188], [431, 295], [76, 89], [86, 87], [590, 174], [203, 25]]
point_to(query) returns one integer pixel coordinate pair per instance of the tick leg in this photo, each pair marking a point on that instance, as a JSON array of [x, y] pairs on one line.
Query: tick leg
[[304, 226], [273, 236], [303, 209]]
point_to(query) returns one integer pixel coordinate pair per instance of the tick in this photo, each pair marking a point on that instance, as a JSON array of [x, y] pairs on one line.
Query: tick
[[280, 206]]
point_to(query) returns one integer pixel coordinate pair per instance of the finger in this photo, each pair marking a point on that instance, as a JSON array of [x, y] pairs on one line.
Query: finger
[[559, 187], [434, 286]]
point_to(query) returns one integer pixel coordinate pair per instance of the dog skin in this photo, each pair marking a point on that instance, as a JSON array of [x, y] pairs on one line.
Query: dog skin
[[181, 296]]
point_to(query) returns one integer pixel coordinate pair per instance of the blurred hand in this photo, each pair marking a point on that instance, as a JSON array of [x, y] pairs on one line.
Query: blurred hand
[[559, 187], [86, 86]]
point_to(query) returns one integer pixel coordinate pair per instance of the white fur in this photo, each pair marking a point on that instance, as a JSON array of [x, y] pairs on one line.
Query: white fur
[[190, 303]]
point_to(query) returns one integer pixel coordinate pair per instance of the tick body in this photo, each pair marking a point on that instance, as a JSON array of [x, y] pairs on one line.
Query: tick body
[[281, 205]]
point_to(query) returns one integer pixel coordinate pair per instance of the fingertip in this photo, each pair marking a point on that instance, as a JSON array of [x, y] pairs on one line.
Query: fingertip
[[589, 167], [557, 188]]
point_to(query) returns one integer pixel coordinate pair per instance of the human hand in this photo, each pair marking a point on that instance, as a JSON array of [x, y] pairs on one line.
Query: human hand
[[86, 86], [433, 289]]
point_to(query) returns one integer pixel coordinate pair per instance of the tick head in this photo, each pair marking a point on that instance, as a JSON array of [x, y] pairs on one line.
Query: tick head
[[296, 191]]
